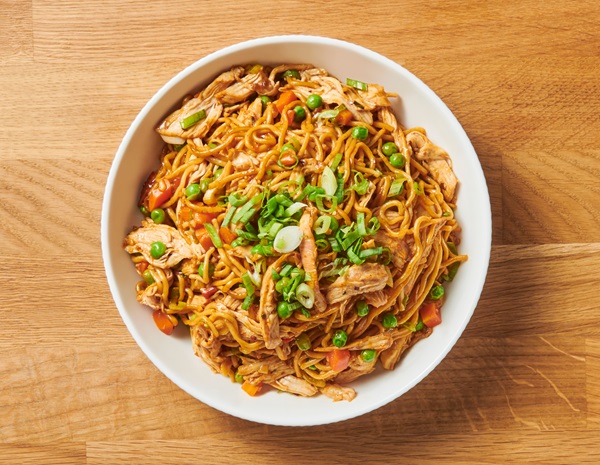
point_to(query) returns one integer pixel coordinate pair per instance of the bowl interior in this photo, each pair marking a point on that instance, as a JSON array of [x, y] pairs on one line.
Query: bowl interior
[[417, 106]]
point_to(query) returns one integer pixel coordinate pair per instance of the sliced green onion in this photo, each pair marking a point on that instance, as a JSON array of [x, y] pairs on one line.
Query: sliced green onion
[[361, 185], [286, 269], [305, 295], [373, 226], [228, 217], [361, 227], [339, 193], [340, 337], [446, 214], [335, 245], [349, 239], [294, 208], [264, 250], [336, 161], [366, 253], [356, 84], [322, 244], [214, 235], [354, 258], [194, 118], [396, 188], [303, 341], [240, 241], [157, 249], [322, 224], [236, 200], [239, 378], [316, 190], [265, 101], [436, 292], [328, 114], [287, 148], [322, 197], [420, 325], [288, 239], [275, 228], [243, 211], [328, 181], [248, 301], [287, 154]]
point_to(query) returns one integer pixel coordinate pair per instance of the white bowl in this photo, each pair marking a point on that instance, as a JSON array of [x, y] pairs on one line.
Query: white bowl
[[138, 155]]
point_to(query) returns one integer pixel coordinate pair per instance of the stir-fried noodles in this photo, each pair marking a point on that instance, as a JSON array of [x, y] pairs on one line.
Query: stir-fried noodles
[[298, 230]]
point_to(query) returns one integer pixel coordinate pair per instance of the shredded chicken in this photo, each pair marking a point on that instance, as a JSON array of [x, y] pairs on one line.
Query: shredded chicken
[[295, 385], [400, 249], [140, 241], [338, 393], [308, 253], [359, 279]]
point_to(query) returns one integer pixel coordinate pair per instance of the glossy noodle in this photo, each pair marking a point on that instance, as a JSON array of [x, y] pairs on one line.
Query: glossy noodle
[[299, 231]]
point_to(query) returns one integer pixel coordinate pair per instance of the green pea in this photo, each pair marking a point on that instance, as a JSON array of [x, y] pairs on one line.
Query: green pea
[[389, 148], [314, 101], [397, 160], [368, 355], [204, 185], [340, 337], [291, 73], [144, 211], [148, 277], [211, 269], [265, 101], [193, 191], [360, 133], [436, 292], [389, 321], [303, 342], [284, 310], [157, 249], [362, 309], [300, 113], [239, 378], [158, 215]]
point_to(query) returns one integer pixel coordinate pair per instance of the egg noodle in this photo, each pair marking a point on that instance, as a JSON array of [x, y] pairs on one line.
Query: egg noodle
[[298, 230]]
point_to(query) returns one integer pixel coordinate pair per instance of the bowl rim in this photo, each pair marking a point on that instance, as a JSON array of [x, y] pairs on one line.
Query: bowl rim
[[486, 224]]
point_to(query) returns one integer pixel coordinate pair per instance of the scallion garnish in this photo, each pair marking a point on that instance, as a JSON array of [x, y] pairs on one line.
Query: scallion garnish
[[192, 119], [418, 188], [228, 216], [319, 199], [322, 224], [288, 239], [328, 181], [356, 84], [336, 161], [214, 235], [361, 185], [397, 187]]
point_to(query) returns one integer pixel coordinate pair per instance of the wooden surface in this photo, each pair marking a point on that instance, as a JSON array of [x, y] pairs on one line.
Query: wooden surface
[[523, 383]]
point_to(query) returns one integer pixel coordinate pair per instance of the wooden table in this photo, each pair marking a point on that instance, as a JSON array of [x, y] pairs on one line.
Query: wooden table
[[522, 384]]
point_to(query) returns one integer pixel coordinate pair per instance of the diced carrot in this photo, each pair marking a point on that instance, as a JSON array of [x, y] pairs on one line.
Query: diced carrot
[[227, 236], [251, 389], [204, 217], [163, 322], [185, 213], [338, 359], [343, 118], [284, 99], [430, 314], [141, 266], [159, 194], [204, 238]]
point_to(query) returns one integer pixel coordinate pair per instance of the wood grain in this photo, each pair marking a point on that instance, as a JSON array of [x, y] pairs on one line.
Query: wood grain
[[523, 383]]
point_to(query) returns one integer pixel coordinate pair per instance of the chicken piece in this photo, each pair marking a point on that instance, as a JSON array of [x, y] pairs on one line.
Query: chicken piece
[[267, 311], [140, 240], [151, 297], [400, 249], [359, 279], [308, 254], [243, 162], [245, 87], [387, 116], [380, 341], [207, 347], [249, 115], [295, 385], [332, 92], [170, 129], [222, 82], [266, 370], [337, 392], [436, 160], [356, 368], [375, 96], [377, 298], [242, 251]]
